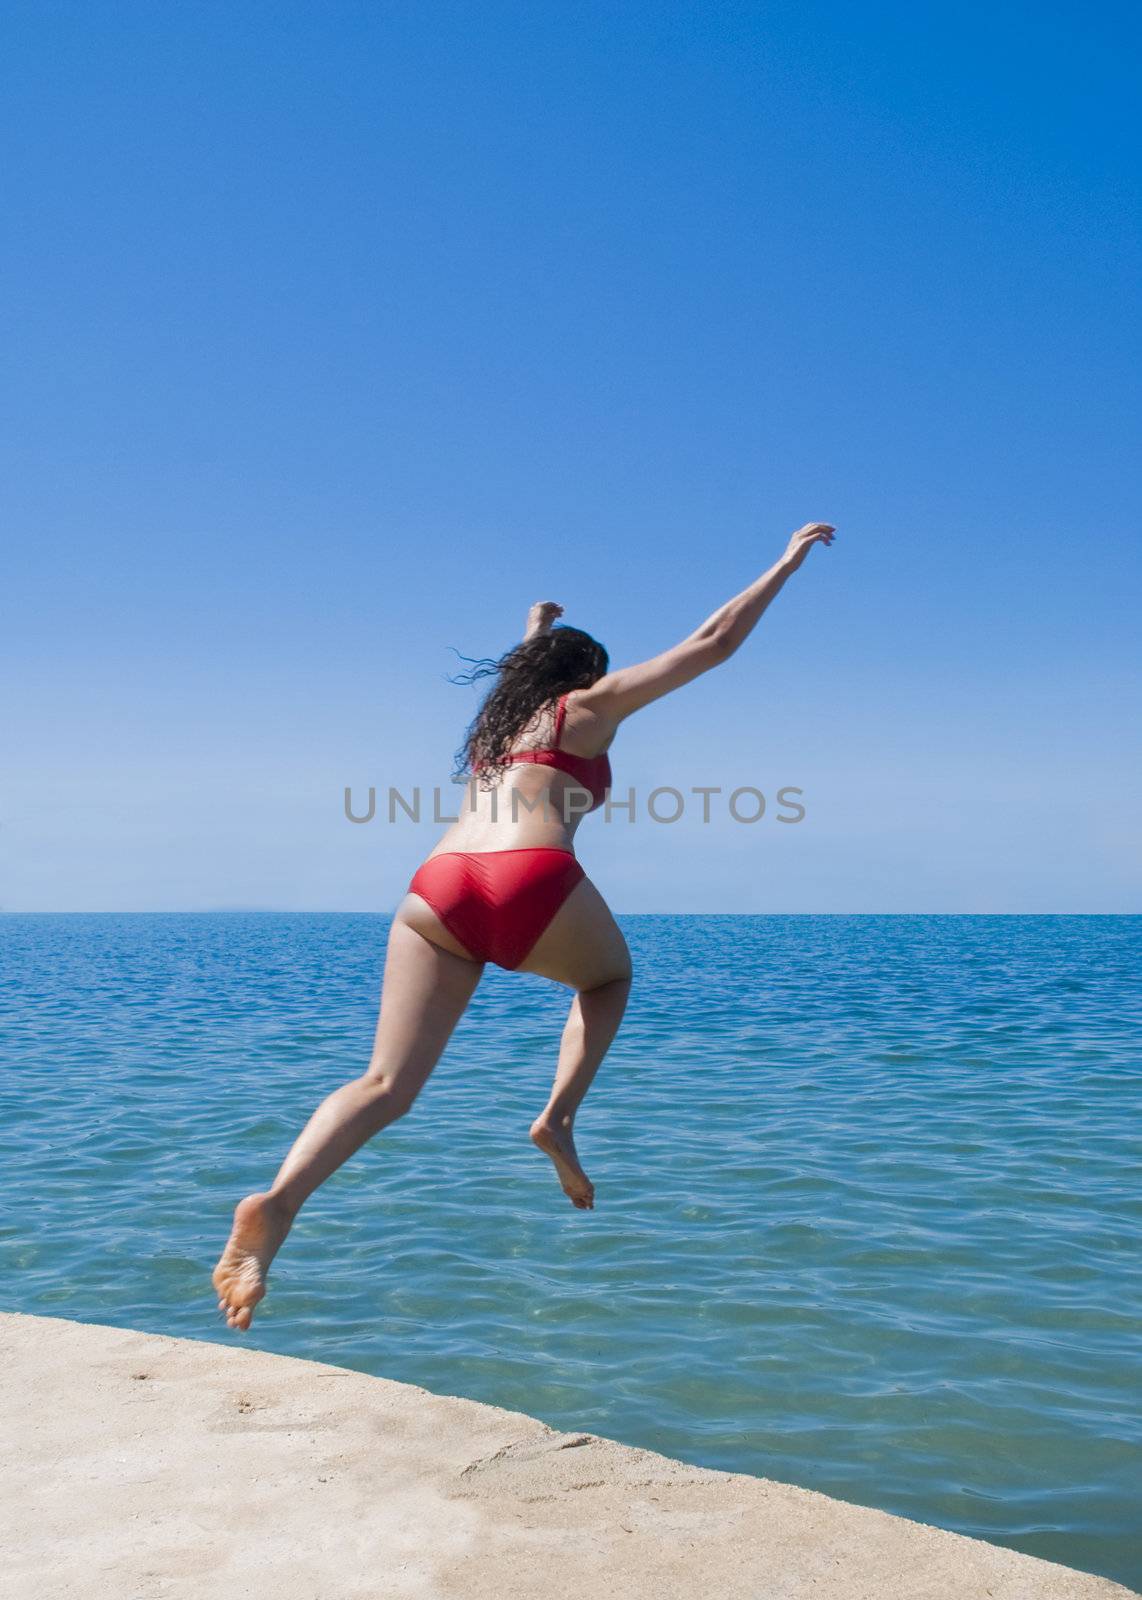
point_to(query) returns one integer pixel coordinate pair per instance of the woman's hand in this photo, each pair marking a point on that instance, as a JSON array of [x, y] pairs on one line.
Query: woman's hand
[[542, 614], [803, 540]]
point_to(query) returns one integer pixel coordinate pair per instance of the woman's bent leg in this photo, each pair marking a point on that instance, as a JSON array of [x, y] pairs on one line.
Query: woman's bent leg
[[424, 994], [582, 947], [591, 1025]]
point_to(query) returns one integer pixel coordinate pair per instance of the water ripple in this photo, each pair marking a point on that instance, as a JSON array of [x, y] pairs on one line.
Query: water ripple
[[868, 1209]]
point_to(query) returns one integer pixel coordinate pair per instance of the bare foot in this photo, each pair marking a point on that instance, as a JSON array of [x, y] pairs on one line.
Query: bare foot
[[554, 1138], [260, 1225]]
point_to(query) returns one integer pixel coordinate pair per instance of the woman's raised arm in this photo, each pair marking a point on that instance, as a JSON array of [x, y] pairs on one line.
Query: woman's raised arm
[[628, 689], [541, 617]]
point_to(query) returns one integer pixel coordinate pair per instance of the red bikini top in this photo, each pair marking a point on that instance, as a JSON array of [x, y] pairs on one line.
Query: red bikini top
[[590, 772]]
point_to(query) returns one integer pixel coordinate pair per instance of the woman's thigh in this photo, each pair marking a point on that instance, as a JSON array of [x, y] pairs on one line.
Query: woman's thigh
[[582, 946], [424, 993]]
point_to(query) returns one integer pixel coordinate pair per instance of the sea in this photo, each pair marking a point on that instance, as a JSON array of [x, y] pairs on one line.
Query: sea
[[867, 1220]]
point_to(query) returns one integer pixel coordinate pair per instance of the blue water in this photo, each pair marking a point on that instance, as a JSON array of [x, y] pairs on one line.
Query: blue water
[[867, 1208]]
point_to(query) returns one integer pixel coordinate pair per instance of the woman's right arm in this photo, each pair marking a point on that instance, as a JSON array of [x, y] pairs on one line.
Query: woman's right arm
[[619, 693]]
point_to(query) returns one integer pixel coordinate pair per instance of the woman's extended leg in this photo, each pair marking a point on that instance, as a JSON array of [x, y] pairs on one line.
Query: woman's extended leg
[[582, 947], [423, 996]]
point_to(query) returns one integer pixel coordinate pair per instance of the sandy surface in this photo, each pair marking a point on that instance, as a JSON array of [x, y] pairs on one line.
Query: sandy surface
[[137, 1466]]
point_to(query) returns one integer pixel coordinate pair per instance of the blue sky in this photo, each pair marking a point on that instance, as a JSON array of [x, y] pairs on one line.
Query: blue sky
[[336, 334]]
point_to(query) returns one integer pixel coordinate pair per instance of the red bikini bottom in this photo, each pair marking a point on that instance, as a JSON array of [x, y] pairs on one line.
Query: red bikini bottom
[[497, 902]]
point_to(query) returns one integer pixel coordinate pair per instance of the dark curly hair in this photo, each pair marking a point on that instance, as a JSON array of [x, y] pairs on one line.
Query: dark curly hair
[[530, 676]]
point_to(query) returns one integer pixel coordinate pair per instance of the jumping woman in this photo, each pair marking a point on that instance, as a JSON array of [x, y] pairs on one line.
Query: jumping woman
[[503, 885]]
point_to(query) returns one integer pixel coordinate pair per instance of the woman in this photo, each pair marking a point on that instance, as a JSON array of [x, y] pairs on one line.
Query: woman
[[503, 885]]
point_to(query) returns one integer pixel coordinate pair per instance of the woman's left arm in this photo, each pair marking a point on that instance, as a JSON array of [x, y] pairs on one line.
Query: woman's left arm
[[541, 616]]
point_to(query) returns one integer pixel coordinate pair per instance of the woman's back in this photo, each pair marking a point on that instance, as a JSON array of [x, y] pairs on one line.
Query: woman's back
[[543, 789]]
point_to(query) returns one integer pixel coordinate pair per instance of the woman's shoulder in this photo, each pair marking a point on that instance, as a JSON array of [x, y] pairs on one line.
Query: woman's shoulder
[[586, 725]]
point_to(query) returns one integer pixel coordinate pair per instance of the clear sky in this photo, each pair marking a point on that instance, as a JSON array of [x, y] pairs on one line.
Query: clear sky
[[337, 333]]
